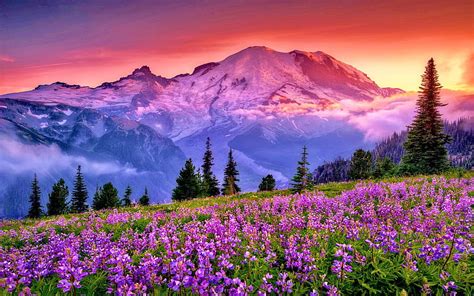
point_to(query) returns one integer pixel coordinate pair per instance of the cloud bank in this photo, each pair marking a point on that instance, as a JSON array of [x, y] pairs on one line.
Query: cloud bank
[[18, 158], [377, 119], [384, 116]]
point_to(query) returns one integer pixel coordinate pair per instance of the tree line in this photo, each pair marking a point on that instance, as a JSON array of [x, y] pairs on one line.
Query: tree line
[[460, 149], [362, 165], [424, 152], [105, 197], [190, 183]]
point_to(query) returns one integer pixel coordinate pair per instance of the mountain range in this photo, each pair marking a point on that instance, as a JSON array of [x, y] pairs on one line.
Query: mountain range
[[138, 130]]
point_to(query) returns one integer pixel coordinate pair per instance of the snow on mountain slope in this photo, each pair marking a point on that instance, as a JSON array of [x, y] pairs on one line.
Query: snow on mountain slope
[[108, 94], [255, 82], [253, 85]]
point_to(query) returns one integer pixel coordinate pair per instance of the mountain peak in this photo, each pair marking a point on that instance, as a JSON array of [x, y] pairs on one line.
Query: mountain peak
[[259, 47], [254, 50], [56, 85], [204, 68], [255, 73], [316, 56], [142, 74], [143, 70]]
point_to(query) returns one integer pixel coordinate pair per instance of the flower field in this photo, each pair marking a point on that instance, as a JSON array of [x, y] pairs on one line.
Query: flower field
[[382, 238]]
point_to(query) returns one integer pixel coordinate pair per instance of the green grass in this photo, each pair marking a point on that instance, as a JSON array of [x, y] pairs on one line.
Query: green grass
[[329, 189]]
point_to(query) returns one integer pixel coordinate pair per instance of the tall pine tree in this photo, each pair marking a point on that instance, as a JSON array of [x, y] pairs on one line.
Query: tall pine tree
[[303, 180], [126, 200], [57, 203], [187, 183], [144, 199], [425, 150], [79, 194], [35, 200], [231, 174], [210, 183]]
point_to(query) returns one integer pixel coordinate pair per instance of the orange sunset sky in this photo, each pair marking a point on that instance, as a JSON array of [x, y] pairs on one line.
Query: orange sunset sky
[[89, 42]]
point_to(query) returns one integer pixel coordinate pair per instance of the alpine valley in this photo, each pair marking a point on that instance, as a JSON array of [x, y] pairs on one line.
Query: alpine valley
[[138, 130]]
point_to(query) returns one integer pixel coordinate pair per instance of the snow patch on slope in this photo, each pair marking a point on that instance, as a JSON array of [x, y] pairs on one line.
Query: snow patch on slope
[[39, 116]]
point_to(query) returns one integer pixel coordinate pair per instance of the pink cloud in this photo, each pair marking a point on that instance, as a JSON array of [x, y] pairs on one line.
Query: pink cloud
[[6, 59], [379, 119]]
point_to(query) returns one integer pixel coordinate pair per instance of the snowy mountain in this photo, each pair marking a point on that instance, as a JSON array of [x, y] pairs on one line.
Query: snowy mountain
[[263, 103], [256, 80]]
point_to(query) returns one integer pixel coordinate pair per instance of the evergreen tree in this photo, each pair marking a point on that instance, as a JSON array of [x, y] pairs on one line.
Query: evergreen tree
[[303, 179], [383, 167], [210, 183], [127, 201], [201, 185], [361, 165], [187, 183], [231, 174], [35, 200], [267, 184], [425, 150], [106, 197], [110, 196], [57, 204], [145, 199], [79, 194], [97, 202]]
